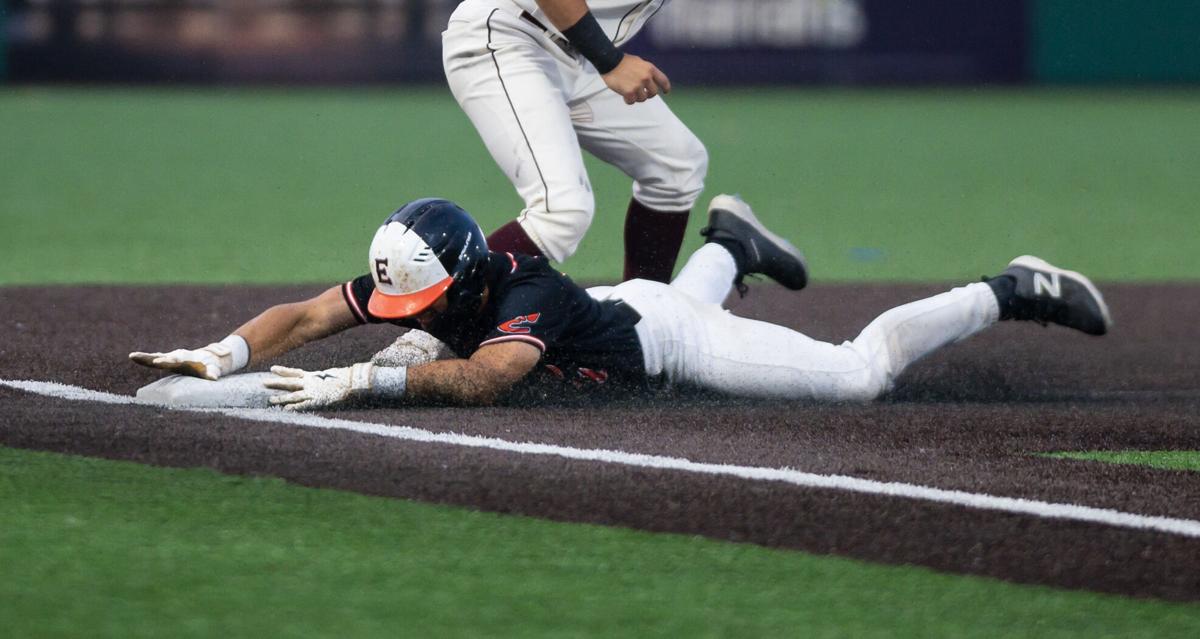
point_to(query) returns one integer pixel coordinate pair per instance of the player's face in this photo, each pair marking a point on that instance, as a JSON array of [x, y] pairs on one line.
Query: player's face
[[426, 317]]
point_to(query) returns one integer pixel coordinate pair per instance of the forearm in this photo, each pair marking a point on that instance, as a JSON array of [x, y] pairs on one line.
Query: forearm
[[455, 381], [273, 332], [479, 381], [576, 22], [280, 329]]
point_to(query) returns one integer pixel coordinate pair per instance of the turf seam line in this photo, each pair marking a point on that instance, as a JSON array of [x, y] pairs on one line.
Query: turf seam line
[[981, 501]]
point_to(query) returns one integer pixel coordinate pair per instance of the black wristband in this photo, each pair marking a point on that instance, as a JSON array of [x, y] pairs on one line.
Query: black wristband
[[589, 39]]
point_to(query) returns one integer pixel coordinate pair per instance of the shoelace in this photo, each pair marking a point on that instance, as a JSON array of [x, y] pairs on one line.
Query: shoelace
[[742, 287]]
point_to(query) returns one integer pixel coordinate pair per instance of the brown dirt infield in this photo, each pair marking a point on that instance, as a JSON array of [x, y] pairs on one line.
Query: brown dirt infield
[[968, 418]]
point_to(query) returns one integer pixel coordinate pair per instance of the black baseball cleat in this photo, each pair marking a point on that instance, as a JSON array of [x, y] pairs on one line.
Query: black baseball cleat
[[1046, 294], [730, 221]]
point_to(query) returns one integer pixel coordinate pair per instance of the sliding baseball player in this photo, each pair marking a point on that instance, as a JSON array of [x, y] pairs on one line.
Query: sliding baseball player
[[511, 318]]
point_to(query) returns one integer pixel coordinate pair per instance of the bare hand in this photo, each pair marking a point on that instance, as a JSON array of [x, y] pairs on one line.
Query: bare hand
[[637, 80]]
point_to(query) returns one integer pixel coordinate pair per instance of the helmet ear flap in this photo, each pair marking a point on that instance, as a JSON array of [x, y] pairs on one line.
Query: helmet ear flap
[[469, 282]]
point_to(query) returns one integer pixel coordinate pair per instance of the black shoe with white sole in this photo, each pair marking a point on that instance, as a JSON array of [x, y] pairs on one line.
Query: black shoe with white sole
[[732, 224], [1047, 294]]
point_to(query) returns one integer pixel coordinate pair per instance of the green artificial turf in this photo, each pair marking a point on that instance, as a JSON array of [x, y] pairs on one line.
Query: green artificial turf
[[221, 185], [1165, 459], [229, 186], [112, 549]]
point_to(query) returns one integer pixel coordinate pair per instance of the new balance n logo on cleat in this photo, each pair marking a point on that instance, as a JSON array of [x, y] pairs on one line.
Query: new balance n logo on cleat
[[1047, 294], [1051, 286]]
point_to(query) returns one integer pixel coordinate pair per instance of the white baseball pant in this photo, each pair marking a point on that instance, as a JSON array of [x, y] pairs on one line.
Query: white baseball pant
[[536, 106], [689, 338]]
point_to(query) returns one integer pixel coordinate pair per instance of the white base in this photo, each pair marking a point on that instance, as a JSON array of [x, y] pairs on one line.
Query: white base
[[233, 391]]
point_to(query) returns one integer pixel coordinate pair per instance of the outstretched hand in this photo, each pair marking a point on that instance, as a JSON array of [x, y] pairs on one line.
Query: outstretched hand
[[637, 80], [209, 362], [320, 389]]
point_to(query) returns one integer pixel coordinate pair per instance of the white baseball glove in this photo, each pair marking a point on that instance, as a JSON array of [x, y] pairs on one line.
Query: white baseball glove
[[411, 349], [320, 389], [210, 362]]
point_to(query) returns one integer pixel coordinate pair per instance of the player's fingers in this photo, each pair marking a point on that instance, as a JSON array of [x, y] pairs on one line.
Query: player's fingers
[[284, 371], [192, 369], [650, 90], [284, 384], [287, 398], [158, 363], [173, 364], [301, 406], [661, 79], [145, 359]]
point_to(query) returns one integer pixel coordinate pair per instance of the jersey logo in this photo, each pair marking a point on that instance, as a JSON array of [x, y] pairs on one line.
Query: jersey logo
[[1044, 286], [519, 325]]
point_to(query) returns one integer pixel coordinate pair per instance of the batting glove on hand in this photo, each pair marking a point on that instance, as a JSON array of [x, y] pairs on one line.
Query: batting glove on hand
[[210, 362], [310, 390], [412, 348]]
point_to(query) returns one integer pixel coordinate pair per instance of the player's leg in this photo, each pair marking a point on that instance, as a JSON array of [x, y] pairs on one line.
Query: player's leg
[[698, 343], [1029, 289], [708, 274], [905, 334], [511, 88], [688, 338], [738, 245], [667, 162]]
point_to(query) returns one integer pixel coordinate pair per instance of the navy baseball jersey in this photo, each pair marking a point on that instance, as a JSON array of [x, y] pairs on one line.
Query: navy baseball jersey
[[583, 341]]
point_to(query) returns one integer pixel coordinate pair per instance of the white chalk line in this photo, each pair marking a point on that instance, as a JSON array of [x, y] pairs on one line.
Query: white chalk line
[[1048, 510]]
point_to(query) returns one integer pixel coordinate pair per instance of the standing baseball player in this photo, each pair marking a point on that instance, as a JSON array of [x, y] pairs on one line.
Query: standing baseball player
[[542, 79], [506, 315]]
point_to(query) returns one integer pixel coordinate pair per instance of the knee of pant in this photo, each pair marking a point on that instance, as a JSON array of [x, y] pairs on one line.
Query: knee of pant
[[677, 181], [870, 381], [869, 387], [558, 230], [860, 386]]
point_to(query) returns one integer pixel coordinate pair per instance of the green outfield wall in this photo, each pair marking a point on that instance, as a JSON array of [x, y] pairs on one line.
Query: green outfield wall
[[1115, 41]]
